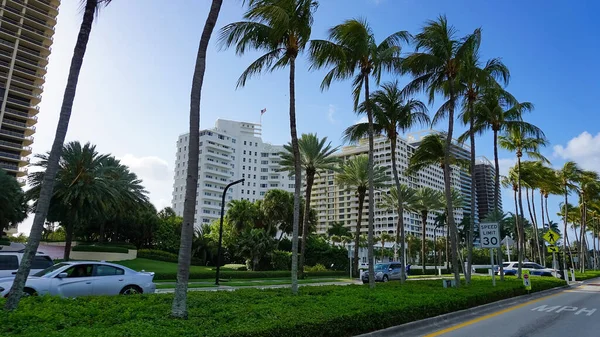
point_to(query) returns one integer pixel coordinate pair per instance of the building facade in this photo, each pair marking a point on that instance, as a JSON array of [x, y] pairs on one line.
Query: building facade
[[230, 151], [26, 30], [485, 175], [334, 204]]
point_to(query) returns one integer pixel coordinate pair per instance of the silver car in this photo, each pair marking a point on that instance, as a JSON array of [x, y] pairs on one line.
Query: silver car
[[83, 278], [385, 272]]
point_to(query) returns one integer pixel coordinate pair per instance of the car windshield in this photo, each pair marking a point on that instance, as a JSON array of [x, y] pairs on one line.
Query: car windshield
[[505, 265], [50, 269], [381, 267]]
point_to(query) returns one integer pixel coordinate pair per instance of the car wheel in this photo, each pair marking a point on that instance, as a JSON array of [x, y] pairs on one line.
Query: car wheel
[[131, 290], [29, 292], [385, 278]]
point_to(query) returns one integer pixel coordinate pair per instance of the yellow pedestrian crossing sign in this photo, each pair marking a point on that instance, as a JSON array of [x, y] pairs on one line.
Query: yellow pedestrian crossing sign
[[552, 249], [551, 237]]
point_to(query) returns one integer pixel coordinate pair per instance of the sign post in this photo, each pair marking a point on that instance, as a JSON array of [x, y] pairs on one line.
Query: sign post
[[489, 234], [526, 280]]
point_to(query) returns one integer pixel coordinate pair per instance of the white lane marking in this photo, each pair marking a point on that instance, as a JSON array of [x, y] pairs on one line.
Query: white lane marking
[[558, 309]]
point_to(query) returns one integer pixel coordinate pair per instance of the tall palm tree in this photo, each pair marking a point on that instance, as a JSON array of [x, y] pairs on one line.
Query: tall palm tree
[[315, 155], [179, 306], [426, 200], [354, 175], [391, 115], [568, 175], [395, 201], [431, 152], [436, 65], [473, 79], [90, 10], [589, 187], [532, 177], [516, 140], [243, 214], [281, 29], [351, 49]]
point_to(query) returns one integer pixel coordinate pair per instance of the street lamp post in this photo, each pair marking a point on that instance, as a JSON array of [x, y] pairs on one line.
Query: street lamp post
[[221, 228]]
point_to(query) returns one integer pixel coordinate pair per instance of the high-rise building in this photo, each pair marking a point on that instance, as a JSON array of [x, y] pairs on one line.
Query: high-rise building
[[485, 175], [26, 30], [230, 151], [334, 204]]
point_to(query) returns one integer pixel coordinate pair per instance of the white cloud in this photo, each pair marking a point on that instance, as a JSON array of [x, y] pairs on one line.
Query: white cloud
[[156, 175], [504, 164], [330, 113], [362, 120], [583, 149]]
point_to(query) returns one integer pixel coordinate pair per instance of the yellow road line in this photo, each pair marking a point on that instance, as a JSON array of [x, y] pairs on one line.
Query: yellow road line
[[482, 318]]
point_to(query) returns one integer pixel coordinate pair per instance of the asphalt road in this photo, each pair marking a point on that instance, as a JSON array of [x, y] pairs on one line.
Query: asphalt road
[[573, 312]]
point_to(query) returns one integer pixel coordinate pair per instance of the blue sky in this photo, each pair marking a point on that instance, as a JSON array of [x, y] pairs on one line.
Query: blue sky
[[133, 93]]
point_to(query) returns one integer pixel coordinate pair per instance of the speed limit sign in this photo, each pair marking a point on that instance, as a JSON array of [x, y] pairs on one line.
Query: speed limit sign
[[489, 233]]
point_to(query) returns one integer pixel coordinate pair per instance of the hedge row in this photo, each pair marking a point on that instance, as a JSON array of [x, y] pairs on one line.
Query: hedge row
[[590, 274], [160, 255], [103, 249], [231, 274], [109, 244], [315, 311], [4, 242], [428, 271]]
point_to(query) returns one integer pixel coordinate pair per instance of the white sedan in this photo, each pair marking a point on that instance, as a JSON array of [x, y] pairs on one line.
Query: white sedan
[[83, 278]]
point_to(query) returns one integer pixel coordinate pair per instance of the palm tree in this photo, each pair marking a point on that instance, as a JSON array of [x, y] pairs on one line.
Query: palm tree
[[568, 175], [352, 49], [431, 152], [315, 155], [532, 177], [179, 306], [90, 10], [13, 204], [426, 200], [394, 201], [436, 65], [391, 115], [337, 228], [243, 214], [281, 29], [354, 175], [473, 79], [88, 185], [383, 238], [589, 187], [517, 140]]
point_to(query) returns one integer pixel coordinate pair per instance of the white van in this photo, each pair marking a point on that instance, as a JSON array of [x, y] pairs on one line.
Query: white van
[[10, 261]]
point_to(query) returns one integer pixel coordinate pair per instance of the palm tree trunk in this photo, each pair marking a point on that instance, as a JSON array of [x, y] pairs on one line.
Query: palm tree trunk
[[423, 239], [400, 228], [102, 230], [310, 178], [582, 238], [533, 257], [471, 233], [43, 203], [566, 237], [68, 240], [521, 224], [496, 199], [361, 200], [179, 306], [297, 175], [536, 234], [448, 188], [543, 224], [447, 248], [519, 247], [594, 235], [371, 187]]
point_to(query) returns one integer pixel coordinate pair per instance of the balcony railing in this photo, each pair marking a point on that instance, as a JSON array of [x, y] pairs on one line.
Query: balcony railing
[[8, 166], [19, 113], [40, 11], [34, 41], [16, 11], [30, 51], [6, 43], [15, 134], [12, 145], [28, 61], [19, 124], [25, 70], [25, 91], [13, 156], [18, 101], [8, 31]]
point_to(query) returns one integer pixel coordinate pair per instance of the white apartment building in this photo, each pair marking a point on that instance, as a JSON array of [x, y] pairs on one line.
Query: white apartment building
[[230, 151], [334, 204]]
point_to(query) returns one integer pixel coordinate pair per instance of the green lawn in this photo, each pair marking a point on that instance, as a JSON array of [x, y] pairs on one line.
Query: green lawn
[[315, 311], [159, 266]]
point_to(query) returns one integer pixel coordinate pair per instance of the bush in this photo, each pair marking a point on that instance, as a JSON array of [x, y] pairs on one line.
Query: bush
[[103, 249], [318, 268], [315, 311], [4, 242], [227, 274], [281, 260], [428, 271], [159, 255], [587, 275]]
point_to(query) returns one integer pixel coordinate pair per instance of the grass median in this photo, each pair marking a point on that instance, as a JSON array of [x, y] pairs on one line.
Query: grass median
[[315, 311], [251, 283]]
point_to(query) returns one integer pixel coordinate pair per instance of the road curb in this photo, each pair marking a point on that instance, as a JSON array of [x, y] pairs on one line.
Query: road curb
[[442, 321]]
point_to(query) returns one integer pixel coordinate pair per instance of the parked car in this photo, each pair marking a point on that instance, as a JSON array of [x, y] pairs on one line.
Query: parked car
[[10, 261], [384, 272], [511, 268], [83, 278]]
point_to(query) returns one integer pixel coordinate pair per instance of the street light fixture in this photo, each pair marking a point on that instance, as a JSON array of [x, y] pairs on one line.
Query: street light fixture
[[221, 228]]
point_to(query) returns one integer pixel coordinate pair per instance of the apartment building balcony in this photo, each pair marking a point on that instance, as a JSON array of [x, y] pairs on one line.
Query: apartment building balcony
[[15, 158], [13, 168], [25, 150], [212, 206], [217, 155], [219, 147], [26, 140], [212, 188], [219, 163], [28, 94], [50, 4], [29, 130], [30, 120]]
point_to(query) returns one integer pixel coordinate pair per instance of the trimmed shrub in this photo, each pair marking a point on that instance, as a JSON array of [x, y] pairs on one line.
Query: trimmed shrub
[[281, 260], [109, 244], [4, 242], [227, 274], [315, 311], [103, 249], [316, 268], [428, 271], [159, 255]]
